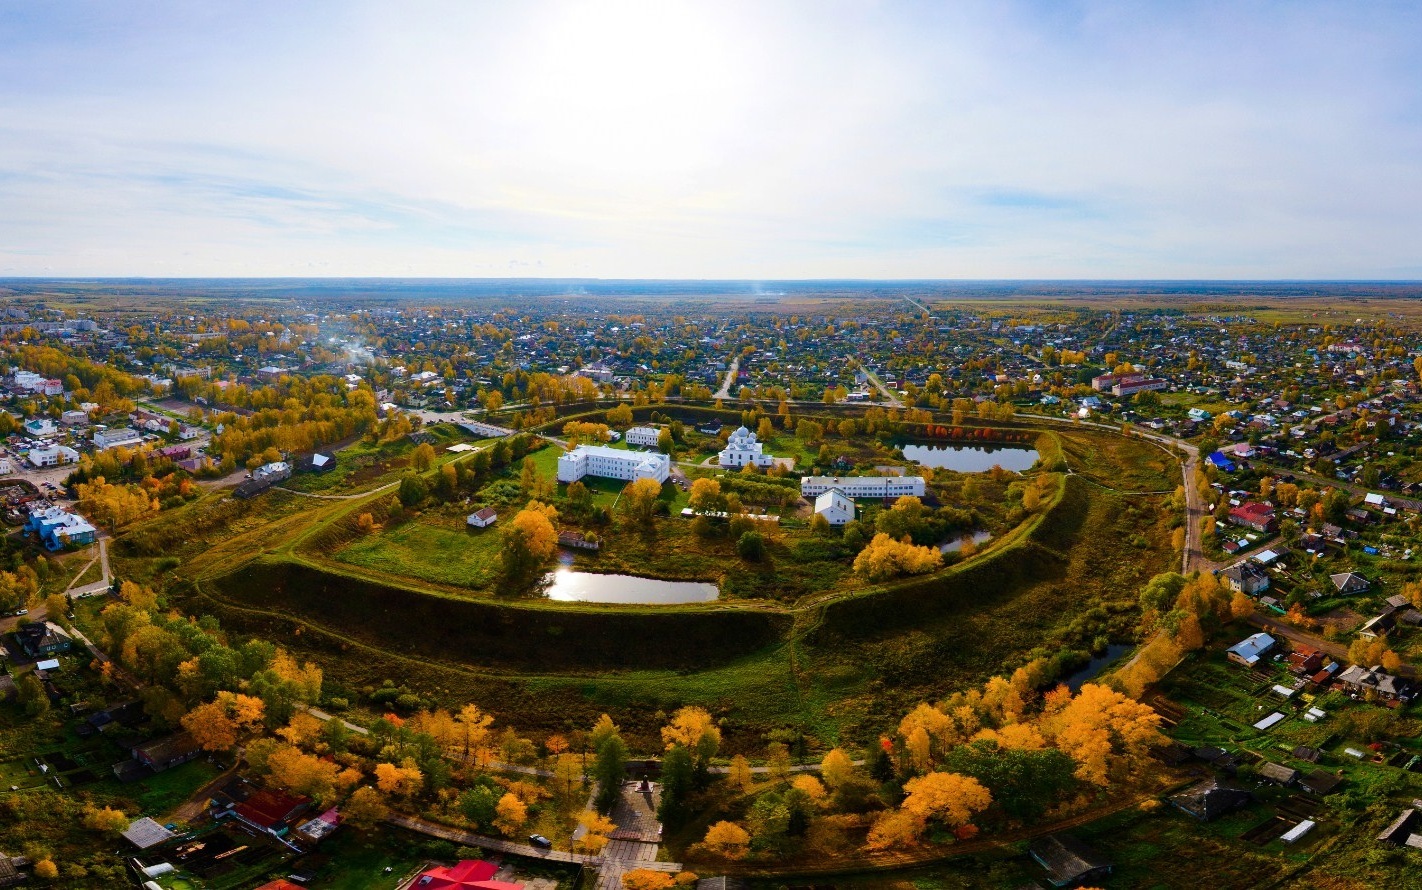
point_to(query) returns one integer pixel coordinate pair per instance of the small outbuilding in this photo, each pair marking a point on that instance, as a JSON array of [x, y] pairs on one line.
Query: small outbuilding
[[1068, 861], [483, 518], [1209, 799]]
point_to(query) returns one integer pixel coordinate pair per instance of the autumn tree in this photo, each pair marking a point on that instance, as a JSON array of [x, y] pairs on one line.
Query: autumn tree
[[639, 500], [739, 775], [365, 808], [884, 558], [105, 819], [404, 780], [422, 457], [706, 496], [529, 540], [597, 831], [216, 725], [727, 840], [837, 768], [510, 814], [949, 798], [114, 505], [1101, 726], [694, 728]]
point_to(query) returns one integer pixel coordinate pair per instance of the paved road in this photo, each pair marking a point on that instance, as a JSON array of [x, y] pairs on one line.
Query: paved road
[[725, 391], [889, 395]]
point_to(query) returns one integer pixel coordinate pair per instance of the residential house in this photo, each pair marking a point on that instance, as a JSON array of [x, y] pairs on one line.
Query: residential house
[[1068, 861], [43, 639], [1249, 650], [1379, 625], [1246, 577], [1209, 799], [1253, 515], [483, 518], [1349, 582], [467, 874], [167, 752], [271, 811], [313, 831], [1360, 680]]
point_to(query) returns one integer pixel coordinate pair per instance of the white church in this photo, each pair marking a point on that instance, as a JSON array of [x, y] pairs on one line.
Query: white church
[[742, 449]]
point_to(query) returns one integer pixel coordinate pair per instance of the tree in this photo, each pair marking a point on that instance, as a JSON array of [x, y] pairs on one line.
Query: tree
[[647, 879], [216, 725], [46, 869], [837, 768], [510, 814], [602, 730], [404, 780], [529, 540], [949, 798], [639, 500], [778, 760], [609, 770], [412, 490], [596, 832], [750, 546], [365, 808], [727, 840], [706, 497], [1024, 781], [105, 819], [665, 441], [30, 694], [422, 457], [739, 776], [886, 558], [1100, 725], [677, 776], [895, 828], [694, 728], [480, 804]]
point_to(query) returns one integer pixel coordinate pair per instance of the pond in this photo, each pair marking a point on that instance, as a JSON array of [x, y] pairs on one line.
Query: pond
[[971, 458], [956, 544], [591, 587], [1096, 666]]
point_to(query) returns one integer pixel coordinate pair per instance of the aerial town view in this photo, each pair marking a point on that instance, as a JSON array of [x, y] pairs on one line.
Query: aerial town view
[[632, 446]]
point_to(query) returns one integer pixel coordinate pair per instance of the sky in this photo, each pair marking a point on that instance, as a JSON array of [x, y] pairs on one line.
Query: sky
[[717, 139]]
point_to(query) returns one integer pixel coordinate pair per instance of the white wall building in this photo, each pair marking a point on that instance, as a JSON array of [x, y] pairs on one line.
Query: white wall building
[[864, 486], [126, 436], [742, 448], [53, 456], [612, 463], [644, 436], [6, 468], [835, 507]]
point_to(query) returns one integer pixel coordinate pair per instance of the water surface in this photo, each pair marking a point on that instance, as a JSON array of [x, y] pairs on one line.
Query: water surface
[[972, 458], [590, 587]]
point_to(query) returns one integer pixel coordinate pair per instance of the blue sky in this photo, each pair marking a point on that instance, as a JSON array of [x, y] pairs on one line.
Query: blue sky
[[719, 139]]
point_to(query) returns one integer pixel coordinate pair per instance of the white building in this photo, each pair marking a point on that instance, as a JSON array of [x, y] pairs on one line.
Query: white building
[[864, 486], [644, 436], [40, 426], [483, 518], [273, 472], [742, 448], [612, 463], [6, 468], [53, 456], [126, 436], [835, 507]]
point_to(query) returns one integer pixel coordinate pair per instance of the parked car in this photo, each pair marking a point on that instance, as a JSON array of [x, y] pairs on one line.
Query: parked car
[[539, 840]]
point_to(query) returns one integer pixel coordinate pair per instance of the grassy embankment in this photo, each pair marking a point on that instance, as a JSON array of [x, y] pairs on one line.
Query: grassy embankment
[[1067, 579]]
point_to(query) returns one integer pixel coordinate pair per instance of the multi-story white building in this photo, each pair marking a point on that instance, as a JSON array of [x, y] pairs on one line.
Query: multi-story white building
[[612, 463], [644, 436], [742, 448], [126, 436], [53, 456], [864, 486]]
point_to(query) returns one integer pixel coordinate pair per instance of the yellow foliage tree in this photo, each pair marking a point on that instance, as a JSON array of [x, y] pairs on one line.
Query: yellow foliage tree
[[885, 558], [837, 768], [727, 840], [510, 814], [597, 829], [364, 808], [1100, 726], [895, 828], [104, 819], [529, 540], [739, 774], [114, 505], [950, 798], [639, 500], [403, 780], [694, 728], [216, 725]]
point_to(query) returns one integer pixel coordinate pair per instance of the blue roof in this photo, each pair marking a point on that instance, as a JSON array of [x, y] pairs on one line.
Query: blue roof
[[1219, 460]]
